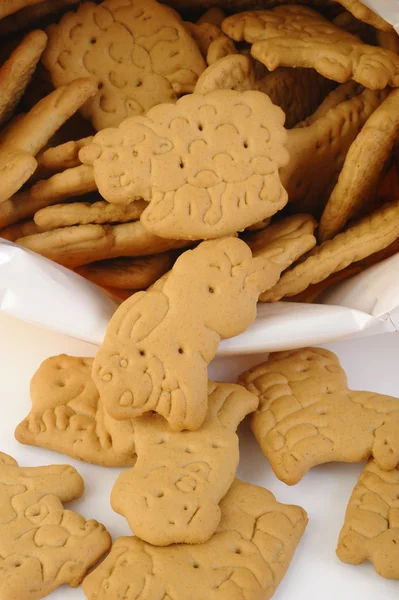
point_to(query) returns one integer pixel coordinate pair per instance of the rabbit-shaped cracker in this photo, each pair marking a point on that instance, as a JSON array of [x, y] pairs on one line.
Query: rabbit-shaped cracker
[[307, 416], [208, 165], [159, 343], [247, 557], [138, 52], [68, 416], [43, 546], [172, 494]]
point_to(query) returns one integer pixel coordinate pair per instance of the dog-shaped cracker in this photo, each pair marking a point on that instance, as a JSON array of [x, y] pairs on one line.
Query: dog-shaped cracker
[[307, 416], [247, 557], [43, 546], [172, 494], [208, 165], [159, 343]]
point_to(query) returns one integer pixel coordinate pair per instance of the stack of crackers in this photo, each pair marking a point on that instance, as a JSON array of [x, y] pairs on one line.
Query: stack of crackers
[[194, 165]]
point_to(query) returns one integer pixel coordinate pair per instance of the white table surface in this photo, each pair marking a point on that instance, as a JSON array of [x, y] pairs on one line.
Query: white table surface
[[315, 573]]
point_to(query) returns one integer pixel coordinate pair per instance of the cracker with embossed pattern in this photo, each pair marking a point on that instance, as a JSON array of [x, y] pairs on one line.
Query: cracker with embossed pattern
[[17, 71], [297, 36], [363, 167], [247, 557], [173, 492], [159, 343], [43, 545], [308, 416], [371, 528], [139, 53], [371, 234], [209, 165]]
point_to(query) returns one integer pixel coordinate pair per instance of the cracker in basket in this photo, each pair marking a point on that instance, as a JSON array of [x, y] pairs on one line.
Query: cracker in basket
[[317, 153], [68, 416], [364, 165], [62, 186], [159, 343], [214, 16], [371, 528], [29, 16], [15, 169], [203, 34], [43, 545], [128, 273], [83, 244], [58, 158], [84, 213], [32, 132], [372, 233], [22, 229], [209, 164], [220, 47], [308, 416], [365, 14], [139, 52], [297, 91], [17, 71], [342, 93], [246, 558], [173, 492], [297, 36]]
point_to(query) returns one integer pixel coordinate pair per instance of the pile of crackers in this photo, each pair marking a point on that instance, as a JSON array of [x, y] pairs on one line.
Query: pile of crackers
[[194, 164], [131, 132]]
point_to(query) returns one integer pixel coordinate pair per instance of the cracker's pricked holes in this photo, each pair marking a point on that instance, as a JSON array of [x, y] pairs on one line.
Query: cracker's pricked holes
[[181, 351], [139, 83], [123, 363], [211, 290], [158, 494], [93, 40], [107, 377], [142, 352]]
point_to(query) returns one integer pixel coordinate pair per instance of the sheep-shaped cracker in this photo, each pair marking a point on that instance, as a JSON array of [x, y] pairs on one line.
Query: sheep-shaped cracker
[[208, 165]]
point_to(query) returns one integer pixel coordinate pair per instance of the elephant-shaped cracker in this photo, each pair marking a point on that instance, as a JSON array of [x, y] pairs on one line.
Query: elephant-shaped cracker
[[68, 416], [43, 546], [208, 165], [247, 557], [297, 36], [172, 495], [138, 51], [307, 416], [371, 528], [159, 343]]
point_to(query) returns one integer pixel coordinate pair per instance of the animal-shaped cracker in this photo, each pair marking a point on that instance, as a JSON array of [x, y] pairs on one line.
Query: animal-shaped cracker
[[363, 167], [138, 51], [371, 528], [159, 343], [172, 494], [297, 91], [307, 416], [297, 36], [42, 545], [247, 557], [372, 234], [209, 165], [68, 416], [17, 71]]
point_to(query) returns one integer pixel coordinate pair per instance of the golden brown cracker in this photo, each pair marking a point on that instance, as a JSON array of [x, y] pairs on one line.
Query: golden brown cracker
[[219, 48], [203, 34], [128, 273], [371, 528], [139, 53], [209, 164], [43, 545], [214, 16], [159, 343], [60, 187], [21, 229], [297, 36], [33, 131], [16, 167], [17, 71], [84, 244], [342, 93], [371, 234], [68, 416], [307, 416], [173, 492], [317, 153], [84, 213], [247, 557], [58, 158], [363, 167]]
